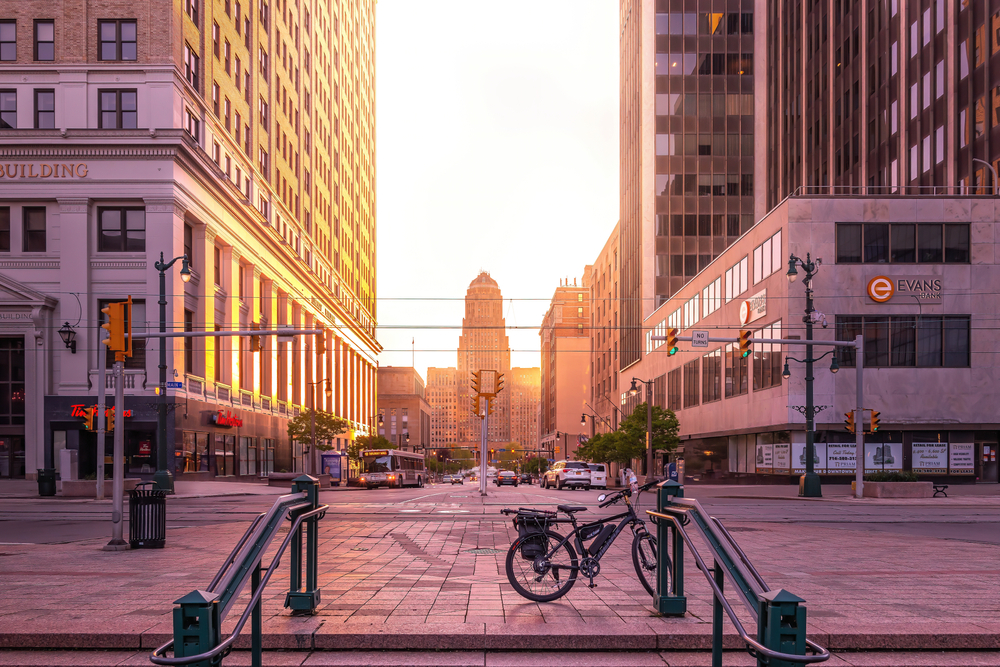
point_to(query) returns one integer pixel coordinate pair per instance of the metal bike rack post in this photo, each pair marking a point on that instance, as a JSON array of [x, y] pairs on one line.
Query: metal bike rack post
[[197, 625], [297, 599], [781, 625], [670, 598]]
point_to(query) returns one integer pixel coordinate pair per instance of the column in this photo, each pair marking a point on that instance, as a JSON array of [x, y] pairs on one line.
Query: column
[[233, 346], [74, 277], [204, 239]]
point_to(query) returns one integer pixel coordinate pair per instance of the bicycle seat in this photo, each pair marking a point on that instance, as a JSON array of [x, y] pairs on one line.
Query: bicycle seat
[[569, 509]]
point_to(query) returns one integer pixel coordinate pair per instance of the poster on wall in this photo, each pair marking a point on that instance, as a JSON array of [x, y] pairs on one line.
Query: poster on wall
[[883, 456], [799, 456], [765, 458], [960, 458], [841, 457], [782, 457], [930, 457], [331, 466]]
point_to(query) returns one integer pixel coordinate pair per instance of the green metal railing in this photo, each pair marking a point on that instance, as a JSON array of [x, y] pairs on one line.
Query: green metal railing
[[781, 621], [199, 614]]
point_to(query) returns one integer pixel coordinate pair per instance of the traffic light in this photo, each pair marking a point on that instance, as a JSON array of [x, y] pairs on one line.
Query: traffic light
[[475, 381], [111, 420], [746, 342], [672, 342], [115, 326], [499, 383], [875, 420], [321, 342], [255, 342], [489, 405], [849, 422], [88, 418]]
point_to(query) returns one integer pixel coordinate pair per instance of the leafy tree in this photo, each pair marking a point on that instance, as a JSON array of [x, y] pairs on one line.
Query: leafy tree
[[364, 442], [535, 465], [327, 428], [629, 441]]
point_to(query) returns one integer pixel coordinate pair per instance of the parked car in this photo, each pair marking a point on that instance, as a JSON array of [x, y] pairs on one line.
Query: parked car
[[525, 478], [598, 475], [452, 479], [506, 477], [571, 474]]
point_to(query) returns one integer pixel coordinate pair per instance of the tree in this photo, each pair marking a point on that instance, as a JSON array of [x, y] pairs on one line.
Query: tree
[[364, 442], [535, 465], [664, 434], [327, 428]]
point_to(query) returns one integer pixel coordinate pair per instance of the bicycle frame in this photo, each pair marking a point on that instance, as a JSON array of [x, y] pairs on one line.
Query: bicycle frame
[[627, 518]]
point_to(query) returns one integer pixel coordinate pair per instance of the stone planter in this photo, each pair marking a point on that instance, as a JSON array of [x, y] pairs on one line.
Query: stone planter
[[898, 490], [285, 479], [87, 488]]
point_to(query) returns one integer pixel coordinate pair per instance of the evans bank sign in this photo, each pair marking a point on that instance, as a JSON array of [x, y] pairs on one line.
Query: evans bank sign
[[924, 289]]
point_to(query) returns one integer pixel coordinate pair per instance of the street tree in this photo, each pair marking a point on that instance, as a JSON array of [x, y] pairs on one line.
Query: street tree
[[327, 428], [535, 465], [629, 441], [364, 442]]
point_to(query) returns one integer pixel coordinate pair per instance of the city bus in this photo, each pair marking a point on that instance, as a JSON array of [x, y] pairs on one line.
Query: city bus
[[392, 468]]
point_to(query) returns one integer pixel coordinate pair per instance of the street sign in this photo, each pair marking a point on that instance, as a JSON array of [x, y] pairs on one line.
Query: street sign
[[699, 339], [501, 450], [175, 385]]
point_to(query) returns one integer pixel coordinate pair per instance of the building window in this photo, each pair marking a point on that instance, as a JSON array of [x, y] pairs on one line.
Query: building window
[[192, 124], [736, 279], [188, 342], [116, 40], [903, 243], [4, 228], [121, 230], [191, 65], [711, 377], [767, 258], [189, 242], [8, 40], [674, 389], [215, 40], [923, 341], [736, 371], [217, 266], [118, 109], [8, 109], [45, 40], [215, 99], [226, 57], [227, 109], [34, 228], [45, 109], [191, 9], [767, 360], [691, 372]]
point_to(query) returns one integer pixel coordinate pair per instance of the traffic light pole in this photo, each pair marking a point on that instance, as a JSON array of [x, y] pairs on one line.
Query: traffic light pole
[[101, 408], [118, 484], [484, 465], [859, 416]]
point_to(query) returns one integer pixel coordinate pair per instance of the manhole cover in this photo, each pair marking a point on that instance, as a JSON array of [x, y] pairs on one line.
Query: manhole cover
[[360, 549], [482, 552]]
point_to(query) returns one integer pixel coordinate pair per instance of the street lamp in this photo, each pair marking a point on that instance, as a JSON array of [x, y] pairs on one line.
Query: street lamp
[[163, 479], [996, 185], [809, 483], [633, 390], [68, 335]]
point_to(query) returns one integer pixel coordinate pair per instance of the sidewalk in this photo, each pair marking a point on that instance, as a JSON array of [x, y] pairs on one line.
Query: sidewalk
[[416, 584]]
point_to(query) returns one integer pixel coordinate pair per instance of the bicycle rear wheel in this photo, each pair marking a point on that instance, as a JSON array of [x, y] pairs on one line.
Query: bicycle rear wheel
[[542, 578], [644, 559]]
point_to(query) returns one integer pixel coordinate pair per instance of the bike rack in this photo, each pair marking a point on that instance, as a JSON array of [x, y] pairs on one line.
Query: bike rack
[[781, 621], [198, 617]]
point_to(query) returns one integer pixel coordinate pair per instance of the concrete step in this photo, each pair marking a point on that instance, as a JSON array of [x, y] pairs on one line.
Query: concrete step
[[553, 658]]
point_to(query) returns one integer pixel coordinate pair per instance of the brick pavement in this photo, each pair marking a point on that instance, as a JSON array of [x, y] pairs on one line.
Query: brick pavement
[[412, 584]]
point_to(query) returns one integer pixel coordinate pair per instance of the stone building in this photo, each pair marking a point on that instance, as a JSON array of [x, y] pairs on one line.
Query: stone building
[[405, 415]]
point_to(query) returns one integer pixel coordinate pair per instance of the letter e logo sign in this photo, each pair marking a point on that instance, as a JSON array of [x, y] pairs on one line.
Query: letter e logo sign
[[880, 289]]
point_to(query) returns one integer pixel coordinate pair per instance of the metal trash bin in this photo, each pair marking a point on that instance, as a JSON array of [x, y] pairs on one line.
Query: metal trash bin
[[147, 517], [46, 481]]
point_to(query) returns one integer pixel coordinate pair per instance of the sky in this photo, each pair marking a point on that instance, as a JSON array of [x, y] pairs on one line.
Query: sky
[[497, 150]]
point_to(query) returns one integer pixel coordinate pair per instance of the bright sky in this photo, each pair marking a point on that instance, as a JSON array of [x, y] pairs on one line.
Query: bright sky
[[497, 131]]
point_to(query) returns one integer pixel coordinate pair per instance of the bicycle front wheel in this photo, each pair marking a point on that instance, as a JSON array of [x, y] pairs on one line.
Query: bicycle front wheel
[[537, 574], [644, 559]]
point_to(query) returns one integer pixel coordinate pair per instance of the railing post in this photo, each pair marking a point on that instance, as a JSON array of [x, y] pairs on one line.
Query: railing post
[[305, 601], [670, 598], [717, 616], [197, 626], [781, 625], [257, 621]]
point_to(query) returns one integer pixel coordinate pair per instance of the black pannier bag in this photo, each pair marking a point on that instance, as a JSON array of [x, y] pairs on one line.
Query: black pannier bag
[[535, 543]]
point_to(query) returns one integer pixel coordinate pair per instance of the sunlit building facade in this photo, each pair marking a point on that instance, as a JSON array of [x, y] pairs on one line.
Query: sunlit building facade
[[239, 133], [524, 390]]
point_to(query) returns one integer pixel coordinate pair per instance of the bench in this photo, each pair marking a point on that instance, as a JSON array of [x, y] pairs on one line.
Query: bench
[[940, 488]]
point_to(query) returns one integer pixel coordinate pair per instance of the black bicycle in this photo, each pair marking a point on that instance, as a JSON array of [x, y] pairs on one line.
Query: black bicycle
[[542, 565]]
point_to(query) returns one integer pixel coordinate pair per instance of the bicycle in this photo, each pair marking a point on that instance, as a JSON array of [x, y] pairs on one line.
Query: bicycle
[[542, 565]]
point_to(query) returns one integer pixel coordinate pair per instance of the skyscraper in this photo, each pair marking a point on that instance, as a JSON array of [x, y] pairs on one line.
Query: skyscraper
[[524, 391]]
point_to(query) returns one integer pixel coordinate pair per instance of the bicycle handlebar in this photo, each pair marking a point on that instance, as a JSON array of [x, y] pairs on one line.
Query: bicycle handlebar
[[618, 496]]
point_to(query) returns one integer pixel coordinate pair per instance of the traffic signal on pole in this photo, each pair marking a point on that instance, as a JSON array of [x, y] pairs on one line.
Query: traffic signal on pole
[[88, 418], [746, 342], [499, 383], [849, 422], [128, 325], [489, 406], [111, 420], [115, 326], [321, 342], [672, 342], [875, 420], [475, 381]]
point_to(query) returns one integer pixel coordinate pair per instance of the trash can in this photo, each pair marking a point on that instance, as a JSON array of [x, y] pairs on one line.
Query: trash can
[[147, 517], [46, 481]]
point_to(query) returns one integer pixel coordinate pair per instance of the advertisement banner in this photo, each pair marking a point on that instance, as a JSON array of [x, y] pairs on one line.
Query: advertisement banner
[[960, 458], [331, 466], [782, 457], [841, 457], [883, 456], [765, 458], [799, 456], [930, 457]]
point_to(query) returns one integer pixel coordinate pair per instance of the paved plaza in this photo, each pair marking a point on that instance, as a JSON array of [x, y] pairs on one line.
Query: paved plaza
[[398, 572]]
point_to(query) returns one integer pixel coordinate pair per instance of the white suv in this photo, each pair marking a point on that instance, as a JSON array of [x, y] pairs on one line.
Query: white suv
[[598, 475], [573, 474]]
